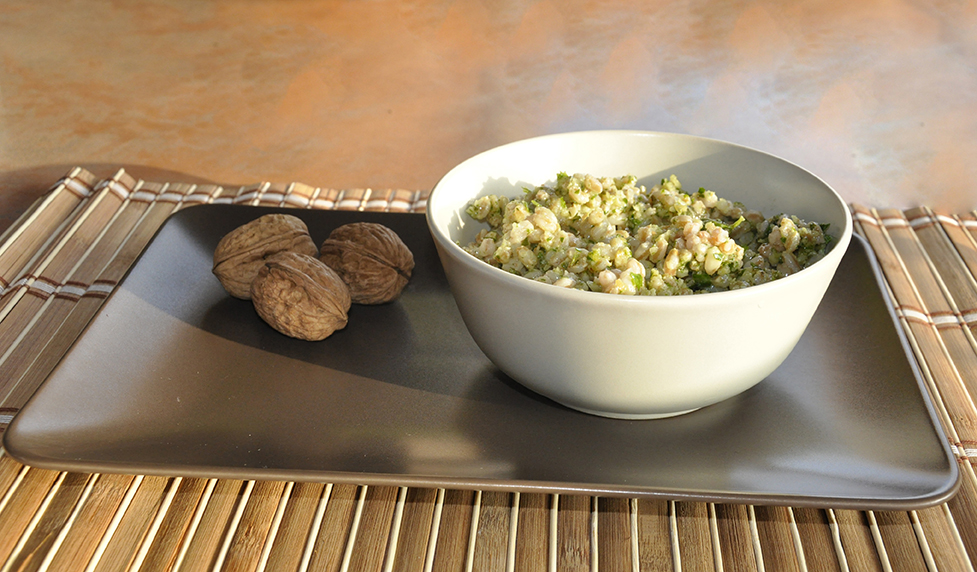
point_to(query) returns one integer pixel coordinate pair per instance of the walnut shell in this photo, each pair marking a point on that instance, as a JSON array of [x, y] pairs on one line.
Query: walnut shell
[[372, 260], [300, 296], [243, 251]]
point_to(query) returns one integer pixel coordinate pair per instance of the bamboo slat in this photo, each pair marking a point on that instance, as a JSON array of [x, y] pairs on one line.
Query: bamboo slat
[[614, 546], [82, 537], [210, 523], [43, 534], [29, 238], [128, 531], [415, 530], [960, 229], [654, 536], [161, 553], [454, 528], [695, 529], [855, 534], [66, 253], [27, 499], [937, 528], [493, 532], [776, 538], [297, 523], [736, 543], [817, 542], [934, 233], [10, 471], [532, 551], [901, 544], [335, 530], [374, 544], [257, 526], [575, 551]]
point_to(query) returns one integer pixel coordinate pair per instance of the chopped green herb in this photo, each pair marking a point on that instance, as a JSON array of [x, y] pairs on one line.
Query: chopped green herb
[[701, 279], [637, 281]]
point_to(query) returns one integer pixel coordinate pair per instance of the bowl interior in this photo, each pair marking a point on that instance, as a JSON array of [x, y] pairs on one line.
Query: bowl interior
[[759, 180]]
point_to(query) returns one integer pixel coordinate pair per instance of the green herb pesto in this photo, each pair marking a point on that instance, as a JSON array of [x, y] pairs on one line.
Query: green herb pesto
[[610, 235]]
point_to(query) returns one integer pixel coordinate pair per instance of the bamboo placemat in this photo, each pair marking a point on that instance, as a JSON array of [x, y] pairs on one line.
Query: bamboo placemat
[[61, 259]]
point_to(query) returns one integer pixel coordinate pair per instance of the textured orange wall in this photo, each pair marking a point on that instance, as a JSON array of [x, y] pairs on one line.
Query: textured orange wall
[[878, 97]]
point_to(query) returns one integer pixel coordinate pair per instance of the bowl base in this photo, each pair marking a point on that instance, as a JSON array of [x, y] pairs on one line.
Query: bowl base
[[632, 416]]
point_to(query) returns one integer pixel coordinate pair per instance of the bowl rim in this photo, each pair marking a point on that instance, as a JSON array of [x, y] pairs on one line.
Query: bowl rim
[[449, 247]]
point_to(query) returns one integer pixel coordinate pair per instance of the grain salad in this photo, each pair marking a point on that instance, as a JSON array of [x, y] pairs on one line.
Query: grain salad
[[611, 235]]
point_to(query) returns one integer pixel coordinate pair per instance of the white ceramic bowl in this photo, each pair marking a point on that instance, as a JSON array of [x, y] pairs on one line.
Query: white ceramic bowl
[[634, 356]]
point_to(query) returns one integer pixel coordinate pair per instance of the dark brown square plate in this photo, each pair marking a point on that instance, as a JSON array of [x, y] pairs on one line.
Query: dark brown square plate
[[175, 377]]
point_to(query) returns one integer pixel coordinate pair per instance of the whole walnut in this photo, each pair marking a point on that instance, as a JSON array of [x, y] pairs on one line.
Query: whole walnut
[[243, 251], [372, 260], [300, 296]]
